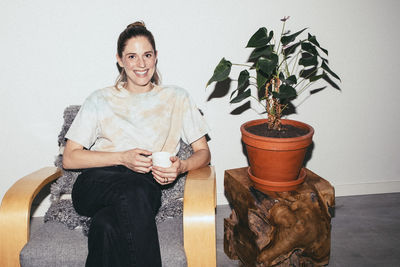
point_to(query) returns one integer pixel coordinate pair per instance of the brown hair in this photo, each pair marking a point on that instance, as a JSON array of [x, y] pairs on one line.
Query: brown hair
[[135, 29]]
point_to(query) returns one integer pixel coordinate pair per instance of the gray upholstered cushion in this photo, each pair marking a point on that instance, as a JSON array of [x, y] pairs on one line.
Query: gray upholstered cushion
[[53, 244]]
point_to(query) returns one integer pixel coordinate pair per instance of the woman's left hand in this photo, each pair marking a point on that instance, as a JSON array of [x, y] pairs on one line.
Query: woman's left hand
[[168, 175]]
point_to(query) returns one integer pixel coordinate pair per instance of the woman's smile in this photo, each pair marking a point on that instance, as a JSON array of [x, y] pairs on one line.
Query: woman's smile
[[141, 73]]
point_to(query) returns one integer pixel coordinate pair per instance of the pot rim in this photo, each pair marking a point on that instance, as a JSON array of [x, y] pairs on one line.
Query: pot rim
[[274, 139], [300, 179]]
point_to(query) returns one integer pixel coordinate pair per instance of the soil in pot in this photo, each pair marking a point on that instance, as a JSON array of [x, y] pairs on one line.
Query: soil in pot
[[287, 131]]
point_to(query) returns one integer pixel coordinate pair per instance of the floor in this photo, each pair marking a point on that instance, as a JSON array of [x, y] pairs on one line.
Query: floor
[[365, 232]]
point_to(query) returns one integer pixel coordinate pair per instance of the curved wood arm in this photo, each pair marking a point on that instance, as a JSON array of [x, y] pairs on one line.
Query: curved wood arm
[[199, 204], [15, 212]]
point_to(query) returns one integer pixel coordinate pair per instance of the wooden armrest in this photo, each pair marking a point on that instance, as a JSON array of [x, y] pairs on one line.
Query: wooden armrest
[[15, 212], [199, 217]]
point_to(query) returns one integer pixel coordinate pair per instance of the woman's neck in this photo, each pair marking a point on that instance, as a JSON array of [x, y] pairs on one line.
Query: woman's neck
[[139, 89]]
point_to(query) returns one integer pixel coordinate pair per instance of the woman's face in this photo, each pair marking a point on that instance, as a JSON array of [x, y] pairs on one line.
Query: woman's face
[[139, 61]]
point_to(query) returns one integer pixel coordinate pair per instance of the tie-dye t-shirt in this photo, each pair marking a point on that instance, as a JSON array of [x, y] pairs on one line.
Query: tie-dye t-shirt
[[117, 120]]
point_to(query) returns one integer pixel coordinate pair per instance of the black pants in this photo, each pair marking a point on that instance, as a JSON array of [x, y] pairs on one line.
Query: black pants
[[123, 205]]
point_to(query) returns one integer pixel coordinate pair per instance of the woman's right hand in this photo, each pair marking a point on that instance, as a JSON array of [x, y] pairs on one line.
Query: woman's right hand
[[137, 160]]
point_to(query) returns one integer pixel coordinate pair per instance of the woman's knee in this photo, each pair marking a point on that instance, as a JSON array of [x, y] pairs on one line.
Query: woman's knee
[[141, 191], [105, 222]]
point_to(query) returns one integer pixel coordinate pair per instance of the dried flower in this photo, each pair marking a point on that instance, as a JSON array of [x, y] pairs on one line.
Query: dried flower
[[285, 18]]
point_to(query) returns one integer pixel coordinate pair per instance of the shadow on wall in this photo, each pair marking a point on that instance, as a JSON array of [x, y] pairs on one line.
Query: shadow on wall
[[221, 89], [309, 152]]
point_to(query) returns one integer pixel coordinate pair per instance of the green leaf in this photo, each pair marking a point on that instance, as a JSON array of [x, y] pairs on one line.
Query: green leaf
[[316, 77], [267, 65], [291, 49], [260, 38], [325, 67], [307, 73], [285, 91], [290, 38], [310, 48], [241, 95], [307, 60], [243, 79], [261, 80], [313, 39], [291, 79], [264, 51], [221, 72]]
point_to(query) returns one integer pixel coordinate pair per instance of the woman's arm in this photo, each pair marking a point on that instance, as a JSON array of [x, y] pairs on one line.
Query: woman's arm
[[200, 158], [75, 157]]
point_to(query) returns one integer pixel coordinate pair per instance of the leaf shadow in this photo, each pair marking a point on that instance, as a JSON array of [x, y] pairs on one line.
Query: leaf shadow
[[221, 89], [242, 108], [289, 109]]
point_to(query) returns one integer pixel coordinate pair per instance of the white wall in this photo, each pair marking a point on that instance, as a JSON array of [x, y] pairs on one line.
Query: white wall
[[54, 53]]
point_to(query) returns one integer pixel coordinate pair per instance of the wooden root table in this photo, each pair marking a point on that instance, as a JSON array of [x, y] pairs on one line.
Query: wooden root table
[[278, 228]]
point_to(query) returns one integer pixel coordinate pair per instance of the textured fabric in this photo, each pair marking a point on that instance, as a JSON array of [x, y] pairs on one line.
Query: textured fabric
[[117, 120], [61, 209], [54, 245]]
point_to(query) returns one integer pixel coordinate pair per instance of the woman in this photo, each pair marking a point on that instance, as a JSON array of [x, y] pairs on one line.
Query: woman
[[112, 137]]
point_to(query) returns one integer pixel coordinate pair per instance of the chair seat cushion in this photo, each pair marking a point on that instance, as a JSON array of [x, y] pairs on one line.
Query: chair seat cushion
[[53, 244]]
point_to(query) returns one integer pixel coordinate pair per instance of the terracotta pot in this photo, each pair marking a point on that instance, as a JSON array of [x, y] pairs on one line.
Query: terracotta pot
[[265, 185], [276, 159]]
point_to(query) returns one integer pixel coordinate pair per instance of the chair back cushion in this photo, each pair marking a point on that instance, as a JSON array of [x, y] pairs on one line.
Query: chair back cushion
[[61, 208]]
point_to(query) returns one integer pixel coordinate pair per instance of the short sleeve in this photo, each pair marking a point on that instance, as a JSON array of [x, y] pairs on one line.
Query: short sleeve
[[194, 125], [84, 128]]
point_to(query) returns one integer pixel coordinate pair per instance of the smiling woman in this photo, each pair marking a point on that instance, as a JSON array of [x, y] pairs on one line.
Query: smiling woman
[[112, 138], [139, 64], [137, 58]]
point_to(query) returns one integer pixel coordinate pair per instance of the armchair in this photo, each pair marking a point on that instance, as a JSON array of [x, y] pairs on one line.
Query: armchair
[[198, 216], [197, 225]]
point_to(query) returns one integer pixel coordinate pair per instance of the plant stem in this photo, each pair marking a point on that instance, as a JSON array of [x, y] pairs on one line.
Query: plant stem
[[279, 43], [259, 102], [306, 78], [295, 60], [304, 88], [243, 65]]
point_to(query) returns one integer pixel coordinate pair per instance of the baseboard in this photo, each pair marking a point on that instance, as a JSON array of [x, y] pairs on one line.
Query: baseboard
[[221, 199], [347, 190], [367, 188]]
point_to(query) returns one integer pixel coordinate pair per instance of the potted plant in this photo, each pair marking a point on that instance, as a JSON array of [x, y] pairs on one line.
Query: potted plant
[[284, 68]]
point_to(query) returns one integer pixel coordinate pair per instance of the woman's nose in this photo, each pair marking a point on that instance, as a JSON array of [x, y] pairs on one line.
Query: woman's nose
[[141, 62]]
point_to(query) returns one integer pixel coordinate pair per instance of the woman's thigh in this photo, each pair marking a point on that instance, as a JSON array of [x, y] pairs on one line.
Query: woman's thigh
[[97, 188]]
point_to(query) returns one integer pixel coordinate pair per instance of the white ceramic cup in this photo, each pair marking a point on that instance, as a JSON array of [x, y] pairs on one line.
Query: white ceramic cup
[[161, 159]]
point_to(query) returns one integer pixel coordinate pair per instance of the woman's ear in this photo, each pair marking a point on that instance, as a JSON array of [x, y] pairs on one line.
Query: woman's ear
[[119, 60]]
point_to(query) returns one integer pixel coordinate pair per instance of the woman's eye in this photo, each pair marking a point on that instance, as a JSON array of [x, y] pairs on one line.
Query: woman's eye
[[149, 55], [131, 56]]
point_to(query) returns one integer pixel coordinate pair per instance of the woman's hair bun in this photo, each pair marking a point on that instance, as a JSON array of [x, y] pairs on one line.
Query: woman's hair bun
[[136, 24]]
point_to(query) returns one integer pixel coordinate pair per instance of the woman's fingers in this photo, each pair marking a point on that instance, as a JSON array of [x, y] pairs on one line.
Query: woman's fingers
[[137, 160], [164, 175]]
